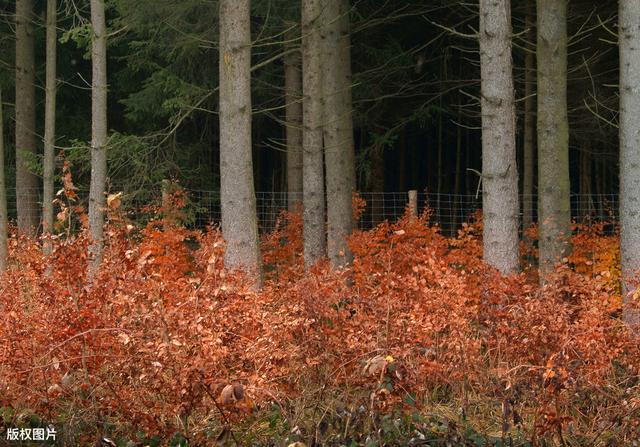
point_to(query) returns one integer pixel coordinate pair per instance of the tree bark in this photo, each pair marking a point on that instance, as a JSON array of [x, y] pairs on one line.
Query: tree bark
[[49, 125], [499, 171], [3, 197], [585, 204], [457, 213], [529, 147], [376, 183], [238, 198], [338, 133], [401, 150], [344, 75], [598, 164], [554, 212], [439, 213], [312, 168], [293, 112], [97, 187], [629, 39], [26, 181]]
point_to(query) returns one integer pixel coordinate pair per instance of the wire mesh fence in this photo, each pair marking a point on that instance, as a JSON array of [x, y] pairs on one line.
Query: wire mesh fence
[[448, 211]]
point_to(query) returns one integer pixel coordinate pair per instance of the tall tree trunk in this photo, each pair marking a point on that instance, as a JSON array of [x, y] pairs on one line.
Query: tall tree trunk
[[439, 214], [629, 37], [238, 198], [457, 200], [598, 164], [3, 197], [529, 147], [585, 203], [344, 75], [26, 181], [469, 176], [603, 186], [293, 112], [312, 163], [338, 138], [49, 125], [554, 212], [97, 189], [416, 159], [376, 184], [499, 170], [401, 150]]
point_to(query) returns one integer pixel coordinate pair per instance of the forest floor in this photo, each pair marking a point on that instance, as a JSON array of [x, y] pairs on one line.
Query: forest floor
[[417, 343]]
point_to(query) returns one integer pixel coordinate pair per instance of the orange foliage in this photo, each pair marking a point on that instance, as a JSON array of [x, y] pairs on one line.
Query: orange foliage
[[165, 331]]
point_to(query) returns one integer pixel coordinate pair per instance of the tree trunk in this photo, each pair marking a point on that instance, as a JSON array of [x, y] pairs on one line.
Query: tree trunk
[[97, 187], [585, 204], [629, 37], [457, 200], [238, 198], [529, 147], [26, 181], [499, 170], [554, 213], [338, 138], [439, 213], [401, 150], [293, 112], [3, 197], [344, 75], [49, 125], [469, 176], [376, 184], [603, 187], [312, 166], [599, 192], [416, 159]]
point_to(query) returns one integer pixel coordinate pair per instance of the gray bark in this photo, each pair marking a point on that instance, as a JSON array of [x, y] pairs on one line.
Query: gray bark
[[312, 163], [344, 75], [338, 132], [97, 189], [293, 112], [529, 147], [439, 184], [499, 171], [26, 181], [457, 214], [629, 39], [376, 183], [49, 125], [3, 197], [585, 206], [238, 198], [554, 213]]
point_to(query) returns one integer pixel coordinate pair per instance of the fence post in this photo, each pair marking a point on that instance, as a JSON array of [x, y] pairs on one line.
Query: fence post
[[413, 202], [165, 194], [167, 207]]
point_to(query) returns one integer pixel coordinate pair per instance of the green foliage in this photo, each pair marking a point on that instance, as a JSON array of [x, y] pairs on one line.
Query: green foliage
[[163, 96], [135, 163], [33, 162], [81, 35]]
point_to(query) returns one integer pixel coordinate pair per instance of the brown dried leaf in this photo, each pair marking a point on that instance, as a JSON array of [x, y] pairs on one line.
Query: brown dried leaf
[[114, 200], [375, 366]]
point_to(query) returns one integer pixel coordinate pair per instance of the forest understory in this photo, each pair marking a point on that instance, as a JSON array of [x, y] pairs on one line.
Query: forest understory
[[418, 342]]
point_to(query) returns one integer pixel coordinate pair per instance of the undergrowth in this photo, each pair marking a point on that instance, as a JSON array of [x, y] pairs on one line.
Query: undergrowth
[[417, 343]]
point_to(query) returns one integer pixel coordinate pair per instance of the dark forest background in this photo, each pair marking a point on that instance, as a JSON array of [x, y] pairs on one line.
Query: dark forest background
[[416, 84]]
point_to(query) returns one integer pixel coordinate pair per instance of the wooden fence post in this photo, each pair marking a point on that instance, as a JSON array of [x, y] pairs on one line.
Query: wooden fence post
[[413, 202]]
